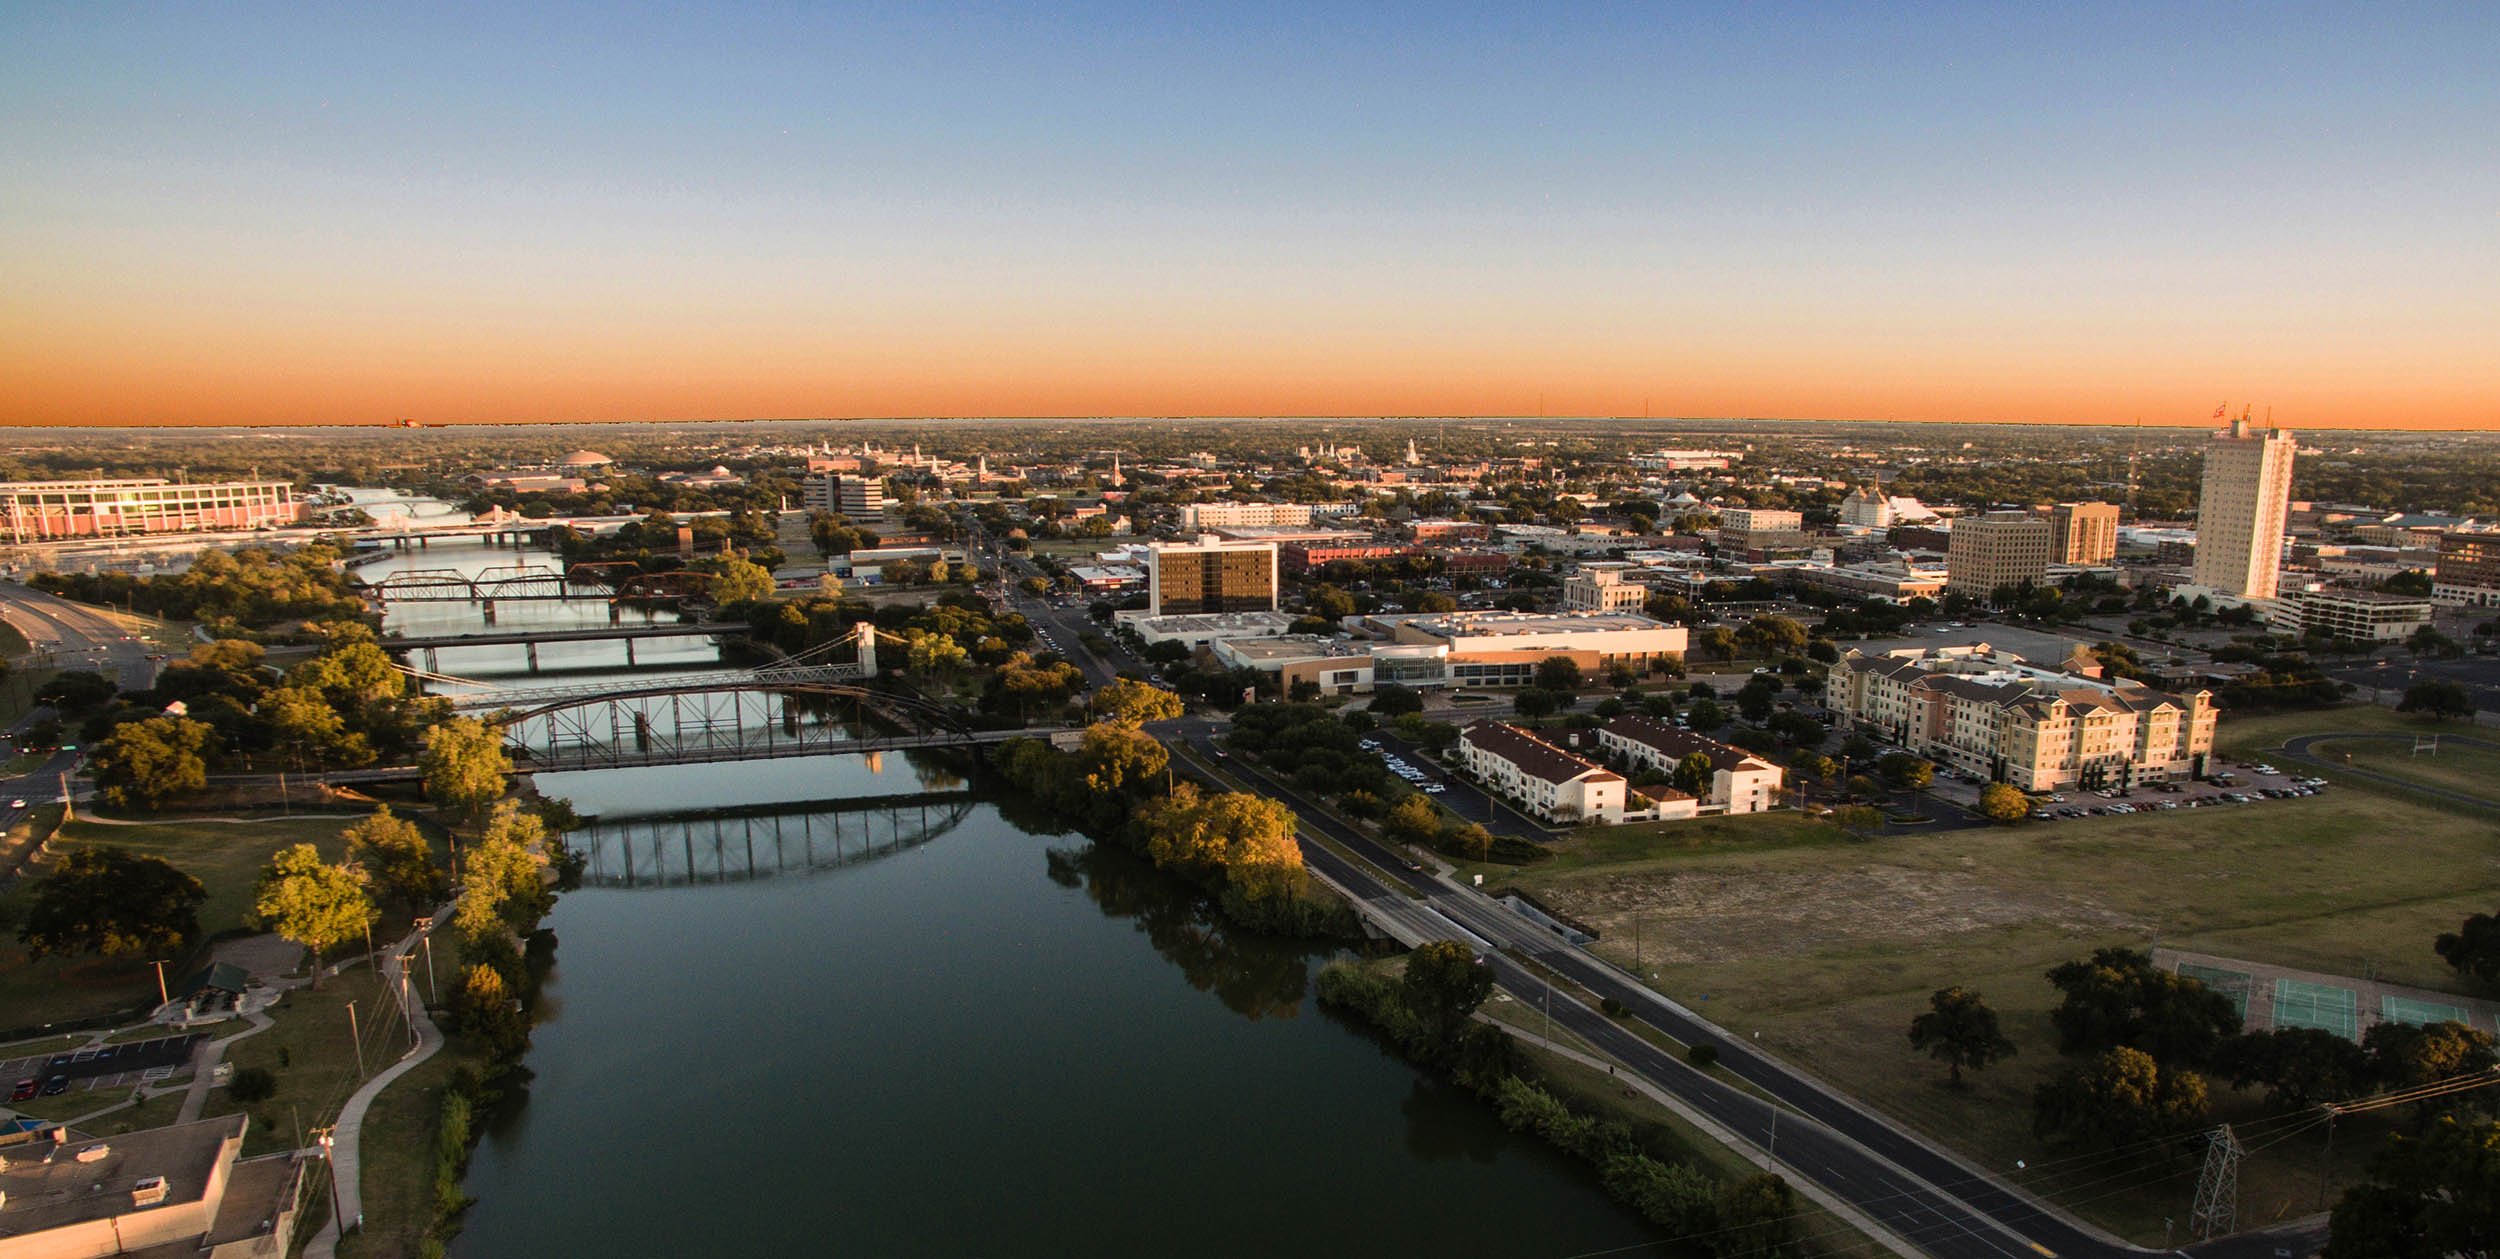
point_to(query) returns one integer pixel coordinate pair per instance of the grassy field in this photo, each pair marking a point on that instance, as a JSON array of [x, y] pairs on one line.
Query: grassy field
[[1827, 948], [226, 858], [312, 1056], [2454, 766]]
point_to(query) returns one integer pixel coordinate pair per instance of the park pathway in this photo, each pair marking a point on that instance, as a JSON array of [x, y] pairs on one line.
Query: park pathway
[[347, 1135]]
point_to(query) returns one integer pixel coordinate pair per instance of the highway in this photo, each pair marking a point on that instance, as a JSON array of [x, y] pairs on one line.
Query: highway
[[77, 636], [1930, 1198]]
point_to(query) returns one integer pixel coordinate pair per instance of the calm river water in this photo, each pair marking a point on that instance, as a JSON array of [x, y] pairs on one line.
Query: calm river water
[[977, 1040], [918, 1023]]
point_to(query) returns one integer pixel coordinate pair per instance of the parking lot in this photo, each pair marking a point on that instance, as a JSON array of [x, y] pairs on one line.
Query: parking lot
[[104, 1066], [2234, 784]]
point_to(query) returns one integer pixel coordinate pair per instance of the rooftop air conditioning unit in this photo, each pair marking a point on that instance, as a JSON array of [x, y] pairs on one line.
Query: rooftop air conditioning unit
[[93, 1153], [148, 1192]]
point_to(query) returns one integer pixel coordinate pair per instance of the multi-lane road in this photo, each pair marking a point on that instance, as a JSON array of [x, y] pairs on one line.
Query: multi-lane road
[[1933, 1200], [76, 636]]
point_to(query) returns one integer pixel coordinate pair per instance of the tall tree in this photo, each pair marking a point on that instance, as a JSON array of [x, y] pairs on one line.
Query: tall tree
[[2473, 948], [1558, 673], [1134, 703], [394, 852], [2003, 803], [1694, 774], [1444, 984], [111, 901], [2428, 1197], [737, 579], [143, 764], [2120, 1098], [1960, 1031], [465, 767], [2118, 997], [312, 902]]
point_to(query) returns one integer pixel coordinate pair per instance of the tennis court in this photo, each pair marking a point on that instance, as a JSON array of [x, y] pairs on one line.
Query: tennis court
[[2230, 983], [2299, 1003], [2420, 1013]]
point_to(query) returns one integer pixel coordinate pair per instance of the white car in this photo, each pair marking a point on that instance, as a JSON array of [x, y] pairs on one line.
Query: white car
[[17, 804]]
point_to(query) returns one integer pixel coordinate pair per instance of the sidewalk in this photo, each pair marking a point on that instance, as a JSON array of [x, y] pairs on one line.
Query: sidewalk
[[347, 1132]]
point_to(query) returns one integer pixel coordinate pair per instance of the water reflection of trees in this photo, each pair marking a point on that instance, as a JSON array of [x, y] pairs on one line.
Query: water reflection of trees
[[1257, 977]]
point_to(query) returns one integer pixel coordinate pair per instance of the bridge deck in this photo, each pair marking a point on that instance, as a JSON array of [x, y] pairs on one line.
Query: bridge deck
[[592, 634]]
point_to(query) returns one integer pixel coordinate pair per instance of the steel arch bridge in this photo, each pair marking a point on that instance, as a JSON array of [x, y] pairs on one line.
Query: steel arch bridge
[[614, 580], [716, 847], [713, 719]]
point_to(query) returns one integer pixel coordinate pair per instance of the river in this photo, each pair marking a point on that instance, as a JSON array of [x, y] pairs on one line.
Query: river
[[850, 1004]]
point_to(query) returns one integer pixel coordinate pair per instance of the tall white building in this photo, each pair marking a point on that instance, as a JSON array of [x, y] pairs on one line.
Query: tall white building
[[2239, 516]]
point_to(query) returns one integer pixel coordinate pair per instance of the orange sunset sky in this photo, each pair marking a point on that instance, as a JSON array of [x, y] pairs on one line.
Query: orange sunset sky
[[264, 217]]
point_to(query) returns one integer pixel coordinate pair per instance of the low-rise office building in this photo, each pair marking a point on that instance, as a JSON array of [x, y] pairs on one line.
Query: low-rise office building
[[1608, 637], [183, 1189], [1200, 629], [1760, 528], [1997, 549], [1740, 782], [2468, 568], [2357, 615], [1998, 716], [1547, 781]]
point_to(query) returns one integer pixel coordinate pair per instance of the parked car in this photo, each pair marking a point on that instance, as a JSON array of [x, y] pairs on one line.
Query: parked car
[[56, 1086], [24, 1090]]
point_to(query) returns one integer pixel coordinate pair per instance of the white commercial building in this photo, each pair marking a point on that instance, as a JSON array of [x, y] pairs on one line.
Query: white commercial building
[[1601, 588], [1545, 780], [2354, 615], [2240, 513], [1197, 516], [1740, 782]]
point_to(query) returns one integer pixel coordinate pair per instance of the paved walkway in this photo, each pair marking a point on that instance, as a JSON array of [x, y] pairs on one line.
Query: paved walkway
[[2298, 748], [347, 1136]]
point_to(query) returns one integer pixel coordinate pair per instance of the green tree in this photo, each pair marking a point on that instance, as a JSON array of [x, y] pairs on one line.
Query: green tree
[[2119, 998], [2003, 803], [1393, 700], [111, 901], [1535, 701], [484, 1009], [2403, 1055], [1706, 715], [351, 674], [2428, 1197], [1444, 984], [1413, 820], [1959, 1030], [1910, 773], [394, 852], [1115, 758], [2298, 1066], [2473, 948], [1859, 820], [2120, 1098], [2437, 699], [1772, 635], [1558, 673], [143, 764], [465, 767], [738, 579], [1693, 774], [301, 721], [311, 902], [1134, 703]]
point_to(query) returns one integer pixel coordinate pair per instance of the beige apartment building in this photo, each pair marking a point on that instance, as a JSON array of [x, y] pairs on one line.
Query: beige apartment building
[[2240, 513], [2083, 533], [1997, 716], [1760, 528], [2004, 548], [1210, 576]]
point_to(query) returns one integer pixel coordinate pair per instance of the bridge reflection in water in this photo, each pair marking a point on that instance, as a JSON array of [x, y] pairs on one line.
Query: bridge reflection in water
[[739, 844]]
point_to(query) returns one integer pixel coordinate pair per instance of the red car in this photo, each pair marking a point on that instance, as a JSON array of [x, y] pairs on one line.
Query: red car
[[24, 1090]]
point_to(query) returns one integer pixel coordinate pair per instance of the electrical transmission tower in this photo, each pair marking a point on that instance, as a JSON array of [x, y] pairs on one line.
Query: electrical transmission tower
[[2218, 1186]]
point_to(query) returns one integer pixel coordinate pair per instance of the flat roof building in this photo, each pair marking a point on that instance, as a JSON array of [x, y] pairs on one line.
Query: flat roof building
[[2468, 569], [2353, 615], [180, 1189], [2083, 533], [37, 510], [1996, 715], [1997, 549], [2240, 512], [1210, 575]]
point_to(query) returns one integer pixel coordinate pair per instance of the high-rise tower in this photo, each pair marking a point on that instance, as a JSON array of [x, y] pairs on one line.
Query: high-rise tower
[[2239, 516]]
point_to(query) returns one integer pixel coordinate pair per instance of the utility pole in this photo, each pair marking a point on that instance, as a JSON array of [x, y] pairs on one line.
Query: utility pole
[[326, 1136], [69, 807], [358, 1037], [2325, 1155], [161, 997], [431, 994]]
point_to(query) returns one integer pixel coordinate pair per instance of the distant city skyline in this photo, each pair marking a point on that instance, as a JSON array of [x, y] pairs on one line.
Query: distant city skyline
[[259, 215]]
